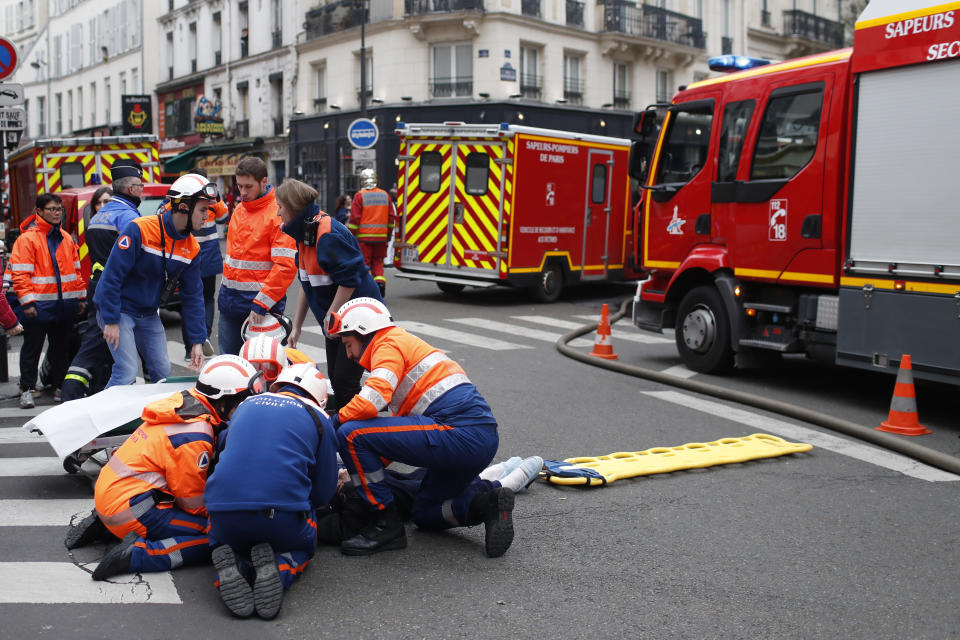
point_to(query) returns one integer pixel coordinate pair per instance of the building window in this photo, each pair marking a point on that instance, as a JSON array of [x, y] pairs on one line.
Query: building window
[[70, 110], [93, 103], [663, 85], [107, 98], [178, 115], [135, 80], [169, 55], [320, 99], [41, 117], [452, 71], [58, 100], [123, 83], [216, 39], [530, 79], [79, 107], [243, 21], [621, 85], [276, 13], [573, 78], [192, 46]]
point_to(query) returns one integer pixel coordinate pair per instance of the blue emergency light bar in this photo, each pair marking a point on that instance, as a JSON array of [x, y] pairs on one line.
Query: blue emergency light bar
[[735, 63]]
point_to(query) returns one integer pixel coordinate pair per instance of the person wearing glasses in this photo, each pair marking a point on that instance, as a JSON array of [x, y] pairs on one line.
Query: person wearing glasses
[[45, 267], [154, 255]]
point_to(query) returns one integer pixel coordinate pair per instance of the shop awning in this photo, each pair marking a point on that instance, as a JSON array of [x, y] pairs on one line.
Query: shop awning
[[219, 162], [181, 162]]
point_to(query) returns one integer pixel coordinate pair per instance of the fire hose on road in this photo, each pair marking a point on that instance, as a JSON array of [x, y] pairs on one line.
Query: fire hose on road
[[918, 452]]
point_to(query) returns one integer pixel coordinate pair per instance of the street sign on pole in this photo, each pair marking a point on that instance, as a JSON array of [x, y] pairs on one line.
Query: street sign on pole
[[9, 59], [11, 94], [12, 118], [363, 133]]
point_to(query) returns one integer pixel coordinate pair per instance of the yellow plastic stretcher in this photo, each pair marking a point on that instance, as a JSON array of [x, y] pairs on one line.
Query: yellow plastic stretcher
[[695, 455]]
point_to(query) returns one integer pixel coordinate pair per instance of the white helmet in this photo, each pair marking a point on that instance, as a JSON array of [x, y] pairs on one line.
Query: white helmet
[[266, 354], [192, 185], [306, 377], [271, 325], [228, 375], [363, 316], [368, 178]]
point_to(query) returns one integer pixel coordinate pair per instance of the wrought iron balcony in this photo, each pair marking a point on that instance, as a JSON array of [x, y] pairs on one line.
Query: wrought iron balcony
[[812, 27], [573, 90], [574, 13], [451, 87], [530, 85], [420, 7], [621, 99], [530, 8], [648, 21]]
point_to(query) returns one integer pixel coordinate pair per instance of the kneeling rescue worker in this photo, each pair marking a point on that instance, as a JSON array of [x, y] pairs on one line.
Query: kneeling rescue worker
[[150, 493], [441, 423]]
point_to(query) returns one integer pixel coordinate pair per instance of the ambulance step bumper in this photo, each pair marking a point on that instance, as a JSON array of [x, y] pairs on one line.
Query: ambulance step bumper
[[435, 278]]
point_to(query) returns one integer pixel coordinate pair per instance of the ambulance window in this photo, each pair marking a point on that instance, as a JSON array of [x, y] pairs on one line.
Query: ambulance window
[[598, 186], [71, 175], [686, 144], [478, 173], [430, 165], [788, 134], [736, 121]]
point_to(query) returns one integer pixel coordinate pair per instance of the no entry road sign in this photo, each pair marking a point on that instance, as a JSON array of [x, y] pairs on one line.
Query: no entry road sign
[[9, 58]]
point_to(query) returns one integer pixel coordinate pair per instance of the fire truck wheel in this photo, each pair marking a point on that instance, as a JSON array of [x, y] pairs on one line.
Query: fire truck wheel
[[703, 331], [549, 284], [450, 288]]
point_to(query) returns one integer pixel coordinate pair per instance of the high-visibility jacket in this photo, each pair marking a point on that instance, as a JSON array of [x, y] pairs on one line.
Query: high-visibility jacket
[[413, 378], [259, 265], [54, 286], [335, 260], [169, 454], [211, 260], [134, 276], [372, 215]]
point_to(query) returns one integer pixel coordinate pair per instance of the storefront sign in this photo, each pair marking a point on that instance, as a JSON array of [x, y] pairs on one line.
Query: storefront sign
[[137, 114]]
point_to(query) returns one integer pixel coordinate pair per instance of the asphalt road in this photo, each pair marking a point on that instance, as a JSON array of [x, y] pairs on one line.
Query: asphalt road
[[844, 541]]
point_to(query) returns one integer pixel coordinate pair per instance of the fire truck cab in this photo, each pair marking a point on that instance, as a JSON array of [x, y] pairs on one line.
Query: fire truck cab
[[810, 206]]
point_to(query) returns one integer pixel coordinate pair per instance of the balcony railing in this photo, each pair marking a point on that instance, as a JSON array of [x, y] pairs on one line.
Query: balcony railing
[[530, 8], [648, 21], [812, 27], [420, 7], [451, 87], [573, 90], [574, 13], [621, 99], [530, 85], [243, 129]]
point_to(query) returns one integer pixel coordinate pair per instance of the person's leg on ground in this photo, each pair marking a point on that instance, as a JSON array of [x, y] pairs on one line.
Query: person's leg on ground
[[59, 340], [33, 336], [344, 374], [228, 332], [92, 355], [126, 362], [151, 339]]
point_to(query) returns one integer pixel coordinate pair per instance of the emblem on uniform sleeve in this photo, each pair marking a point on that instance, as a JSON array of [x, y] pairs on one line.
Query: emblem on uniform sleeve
[[203, 461], [124, 242]]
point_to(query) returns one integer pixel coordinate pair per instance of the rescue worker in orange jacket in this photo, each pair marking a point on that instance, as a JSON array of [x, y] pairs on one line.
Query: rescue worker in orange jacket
[[372, 218], [441, 423], [45, 268], [151, 492], [259, 265]]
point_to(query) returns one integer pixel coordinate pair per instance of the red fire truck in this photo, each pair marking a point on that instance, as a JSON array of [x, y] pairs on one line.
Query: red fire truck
[[811, 206], [486, 205]]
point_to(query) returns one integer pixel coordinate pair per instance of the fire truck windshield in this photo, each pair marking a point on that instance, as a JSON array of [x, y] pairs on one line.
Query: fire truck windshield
[[686, 144]]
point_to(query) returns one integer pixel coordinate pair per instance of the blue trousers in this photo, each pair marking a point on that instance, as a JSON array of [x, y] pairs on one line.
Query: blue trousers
[[146, 335], [228, 332], [173, 538], [452, 457], [209, 302], [292, 534]]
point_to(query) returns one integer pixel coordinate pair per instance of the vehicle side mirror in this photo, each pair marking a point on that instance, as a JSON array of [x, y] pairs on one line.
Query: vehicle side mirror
[[640, 153], [645, 123]]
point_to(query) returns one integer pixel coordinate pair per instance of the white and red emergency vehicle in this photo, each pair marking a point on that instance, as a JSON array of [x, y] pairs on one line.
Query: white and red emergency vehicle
[[813, 206], [486, 205]]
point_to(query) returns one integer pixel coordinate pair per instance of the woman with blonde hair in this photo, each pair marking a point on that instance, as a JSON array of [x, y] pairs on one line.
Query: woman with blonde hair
[[331, 271]]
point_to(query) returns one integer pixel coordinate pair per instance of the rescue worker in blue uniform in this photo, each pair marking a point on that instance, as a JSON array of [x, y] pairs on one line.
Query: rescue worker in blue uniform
[[278, 464], [441, 423], [331, 271], [93, 358]]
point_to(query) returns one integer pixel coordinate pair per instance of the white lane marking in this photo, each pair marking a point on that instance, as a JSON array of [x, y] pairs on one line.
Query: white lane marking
[[22, 467], [617, 335], [462, 337], [667, 331], [679, 371], [16, 435], [66, 583], [517, 330], [866, 453], [42, 513], [26, 413]]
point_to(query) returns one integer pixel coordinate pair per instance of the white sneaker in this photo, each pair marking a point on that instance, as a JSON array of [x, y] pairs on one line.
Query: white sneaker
[[521, 477], [26, 400], [208, 350], [497, 471]]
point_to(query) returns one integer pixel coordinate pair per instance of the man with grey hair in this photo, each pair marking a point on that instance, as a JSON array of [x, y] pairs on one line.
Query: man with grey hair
[[105, 225]]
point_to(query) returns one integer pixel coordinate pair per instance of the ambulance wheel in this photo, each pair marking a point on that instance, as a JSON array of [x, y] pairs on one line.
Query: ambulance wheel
[[450, 288], [549, 284], [71, 464], [703, 331]]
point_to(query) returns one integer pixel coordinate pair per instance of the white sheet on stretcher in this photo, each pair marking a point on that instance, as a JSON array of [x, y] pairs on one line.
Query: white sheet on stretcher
[[70, 425]]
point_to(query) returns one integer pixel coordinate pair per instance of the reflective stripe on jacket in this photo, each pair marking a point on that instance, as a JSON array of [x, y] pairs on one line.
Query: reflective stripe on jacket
[[259, 265], [170, 453], [55, 287], [372, 215]]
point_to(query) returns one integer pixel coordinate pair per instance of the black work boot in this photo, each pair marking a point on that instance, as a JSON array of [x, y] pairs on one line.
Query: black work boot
[[267, 586], [117, 560], [385, 532], [495, 510], [383, 288], [234, 589], [89, 530]]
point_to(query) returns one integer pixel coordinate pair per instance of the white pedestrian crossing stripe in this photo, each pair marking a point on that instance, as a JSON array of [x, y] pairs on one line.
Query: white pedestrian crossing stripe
[[67, 583], [16, 435], [518, 330], [42, 513], [616, 333], [470, 339], [27, 467]]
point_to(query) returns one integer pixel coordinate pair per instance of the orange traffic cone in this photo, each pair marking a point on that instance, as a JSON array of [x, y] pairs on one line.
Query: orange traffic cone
[[602, 347], [903, 418]]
